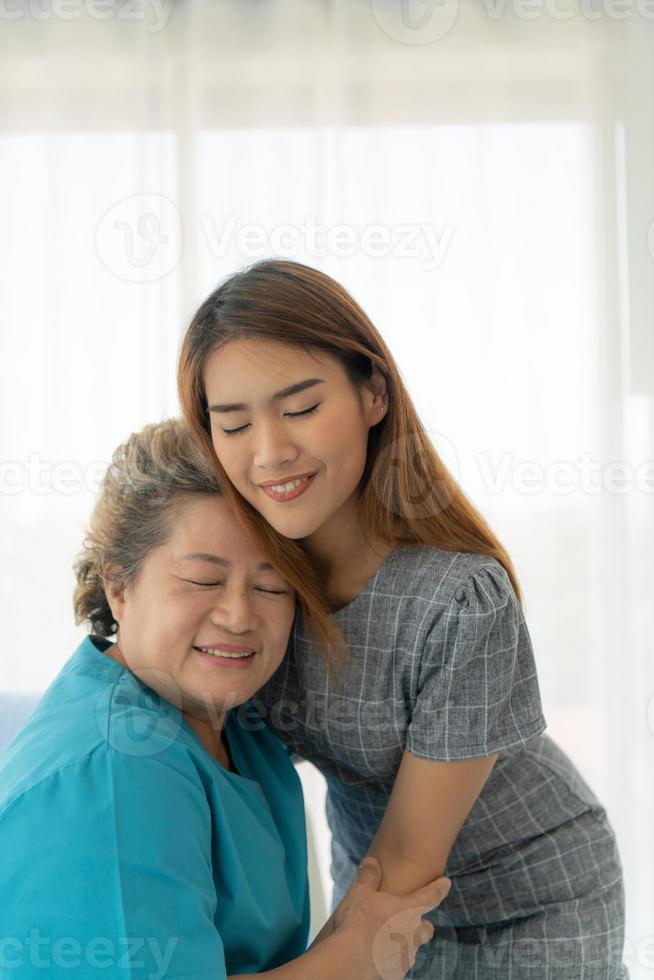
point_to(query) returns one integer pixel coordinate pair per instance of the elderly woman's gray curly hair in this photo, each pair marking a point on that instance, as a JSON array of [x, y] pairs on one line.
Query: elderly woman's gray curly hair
[[132, 515]]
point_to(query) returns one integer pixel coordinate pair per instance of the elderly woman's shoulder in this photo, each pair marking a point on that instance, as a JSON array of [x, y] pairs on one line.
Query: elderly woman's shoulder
[[96, 720]]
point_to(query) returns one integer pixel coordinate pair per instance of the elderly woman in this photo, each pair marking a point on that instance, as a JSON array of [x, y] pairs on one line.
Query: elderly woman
[[151, 825]]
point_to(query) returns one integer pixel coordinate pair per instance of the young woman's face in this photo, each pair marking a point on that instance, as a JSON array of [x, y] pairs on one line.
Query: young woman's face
[[290, 429], [210, 587]]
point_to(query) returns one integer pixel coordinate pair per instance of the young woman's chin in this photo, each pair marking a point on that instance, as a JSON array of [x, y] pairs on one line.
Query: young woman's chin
[[301, 518], [292, 518], [295, 527]]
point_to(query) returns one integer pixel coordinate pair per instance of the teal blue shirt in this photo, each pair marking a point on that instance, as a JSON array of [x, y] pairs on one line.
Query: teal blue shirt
[[128, 851]]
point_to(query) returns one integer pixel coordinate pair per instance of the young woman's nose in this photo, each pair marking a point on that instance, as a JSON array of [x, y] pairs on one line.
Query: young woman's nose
[[273, 447]]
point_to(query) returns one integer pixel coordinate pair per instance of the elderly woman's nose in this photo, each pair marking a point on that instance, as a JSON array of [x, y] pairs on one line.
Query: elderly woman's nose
[[235, 610]]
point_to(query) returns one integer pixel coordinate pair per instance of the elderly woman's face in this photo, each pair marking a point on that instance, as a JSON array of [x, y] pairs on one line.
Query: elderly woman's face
[[207, 620]]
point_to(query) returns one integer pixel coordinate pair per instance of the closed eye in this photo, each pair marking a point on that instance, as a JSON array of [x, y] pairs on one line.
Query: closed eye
[[258, 588], [290, 415], [307, 411]]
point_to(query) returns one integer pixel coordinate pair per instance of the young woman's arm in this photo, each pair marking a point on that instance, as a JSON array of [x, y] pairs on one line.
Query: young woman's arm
[[427, 807], [477, 694]]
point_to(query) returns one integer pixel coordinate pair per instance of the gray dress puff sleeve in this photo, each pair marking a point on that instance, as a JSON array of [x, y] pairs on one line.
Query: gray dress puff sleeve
[[478, 689]]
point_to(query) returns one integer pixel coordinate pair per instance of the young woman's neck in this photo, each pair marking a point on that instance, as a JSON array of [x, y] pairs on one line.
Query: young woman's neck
[[344, 558]]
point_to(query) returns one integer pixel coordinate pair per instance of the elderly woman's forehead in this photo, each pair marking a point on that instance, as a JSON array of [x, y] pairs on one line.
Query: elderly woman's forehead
[[207, 530]]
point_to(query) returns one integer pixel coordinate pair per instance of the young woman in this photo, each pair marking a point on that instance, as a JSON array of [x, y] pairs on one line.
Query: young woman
[[410, 679], [148, 828]]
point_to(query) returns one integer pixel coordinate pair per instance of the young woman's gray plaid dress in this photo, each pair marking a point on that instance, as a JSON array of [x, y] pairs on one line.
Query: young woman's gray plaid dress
[[441, 664]]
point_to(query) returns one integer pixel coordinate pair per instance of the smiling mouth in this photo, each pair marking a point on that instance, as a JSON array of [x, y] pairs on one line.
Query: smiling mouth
[[289, 490], [227, 654]]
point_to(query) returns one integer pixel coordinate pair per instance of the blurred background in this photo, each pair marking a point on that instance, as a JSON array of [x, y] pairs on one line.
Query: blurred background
[[479, 174]]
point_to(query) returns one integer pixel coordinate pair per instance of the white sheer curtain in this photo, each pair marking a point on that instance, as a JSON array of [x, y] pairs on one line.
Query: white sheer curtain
[[480, 176]]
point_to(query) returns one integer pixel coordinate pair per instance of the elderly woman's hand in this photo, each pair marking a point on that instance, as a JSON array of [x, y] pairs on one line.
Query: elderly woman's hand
[[383, 931]]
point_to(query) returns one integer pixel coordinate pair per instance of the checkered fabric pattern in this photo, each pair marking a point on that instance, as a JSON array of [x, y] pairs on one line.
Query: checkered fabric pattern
[[441, 663]]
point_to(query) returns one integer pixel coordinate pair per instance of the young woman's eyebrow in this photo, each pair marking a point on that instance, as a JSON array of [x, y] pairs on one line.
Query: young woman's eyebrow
[[263, 566], [284, 393]]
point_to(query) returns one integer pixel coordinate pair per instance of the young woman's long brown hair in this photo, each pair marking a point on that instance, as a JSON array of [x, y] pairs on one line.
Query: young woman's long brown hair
[[407, 495]]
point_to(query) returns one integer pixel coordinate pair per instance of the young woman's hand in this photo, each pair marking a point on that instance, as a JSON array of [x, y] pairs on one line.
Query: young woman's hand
[[383, 930]]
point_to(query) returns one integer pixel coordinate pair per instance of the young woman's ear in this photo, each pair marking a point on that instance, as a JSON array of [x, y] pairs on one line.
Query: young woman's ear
[[115, 592], [377, 396]]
